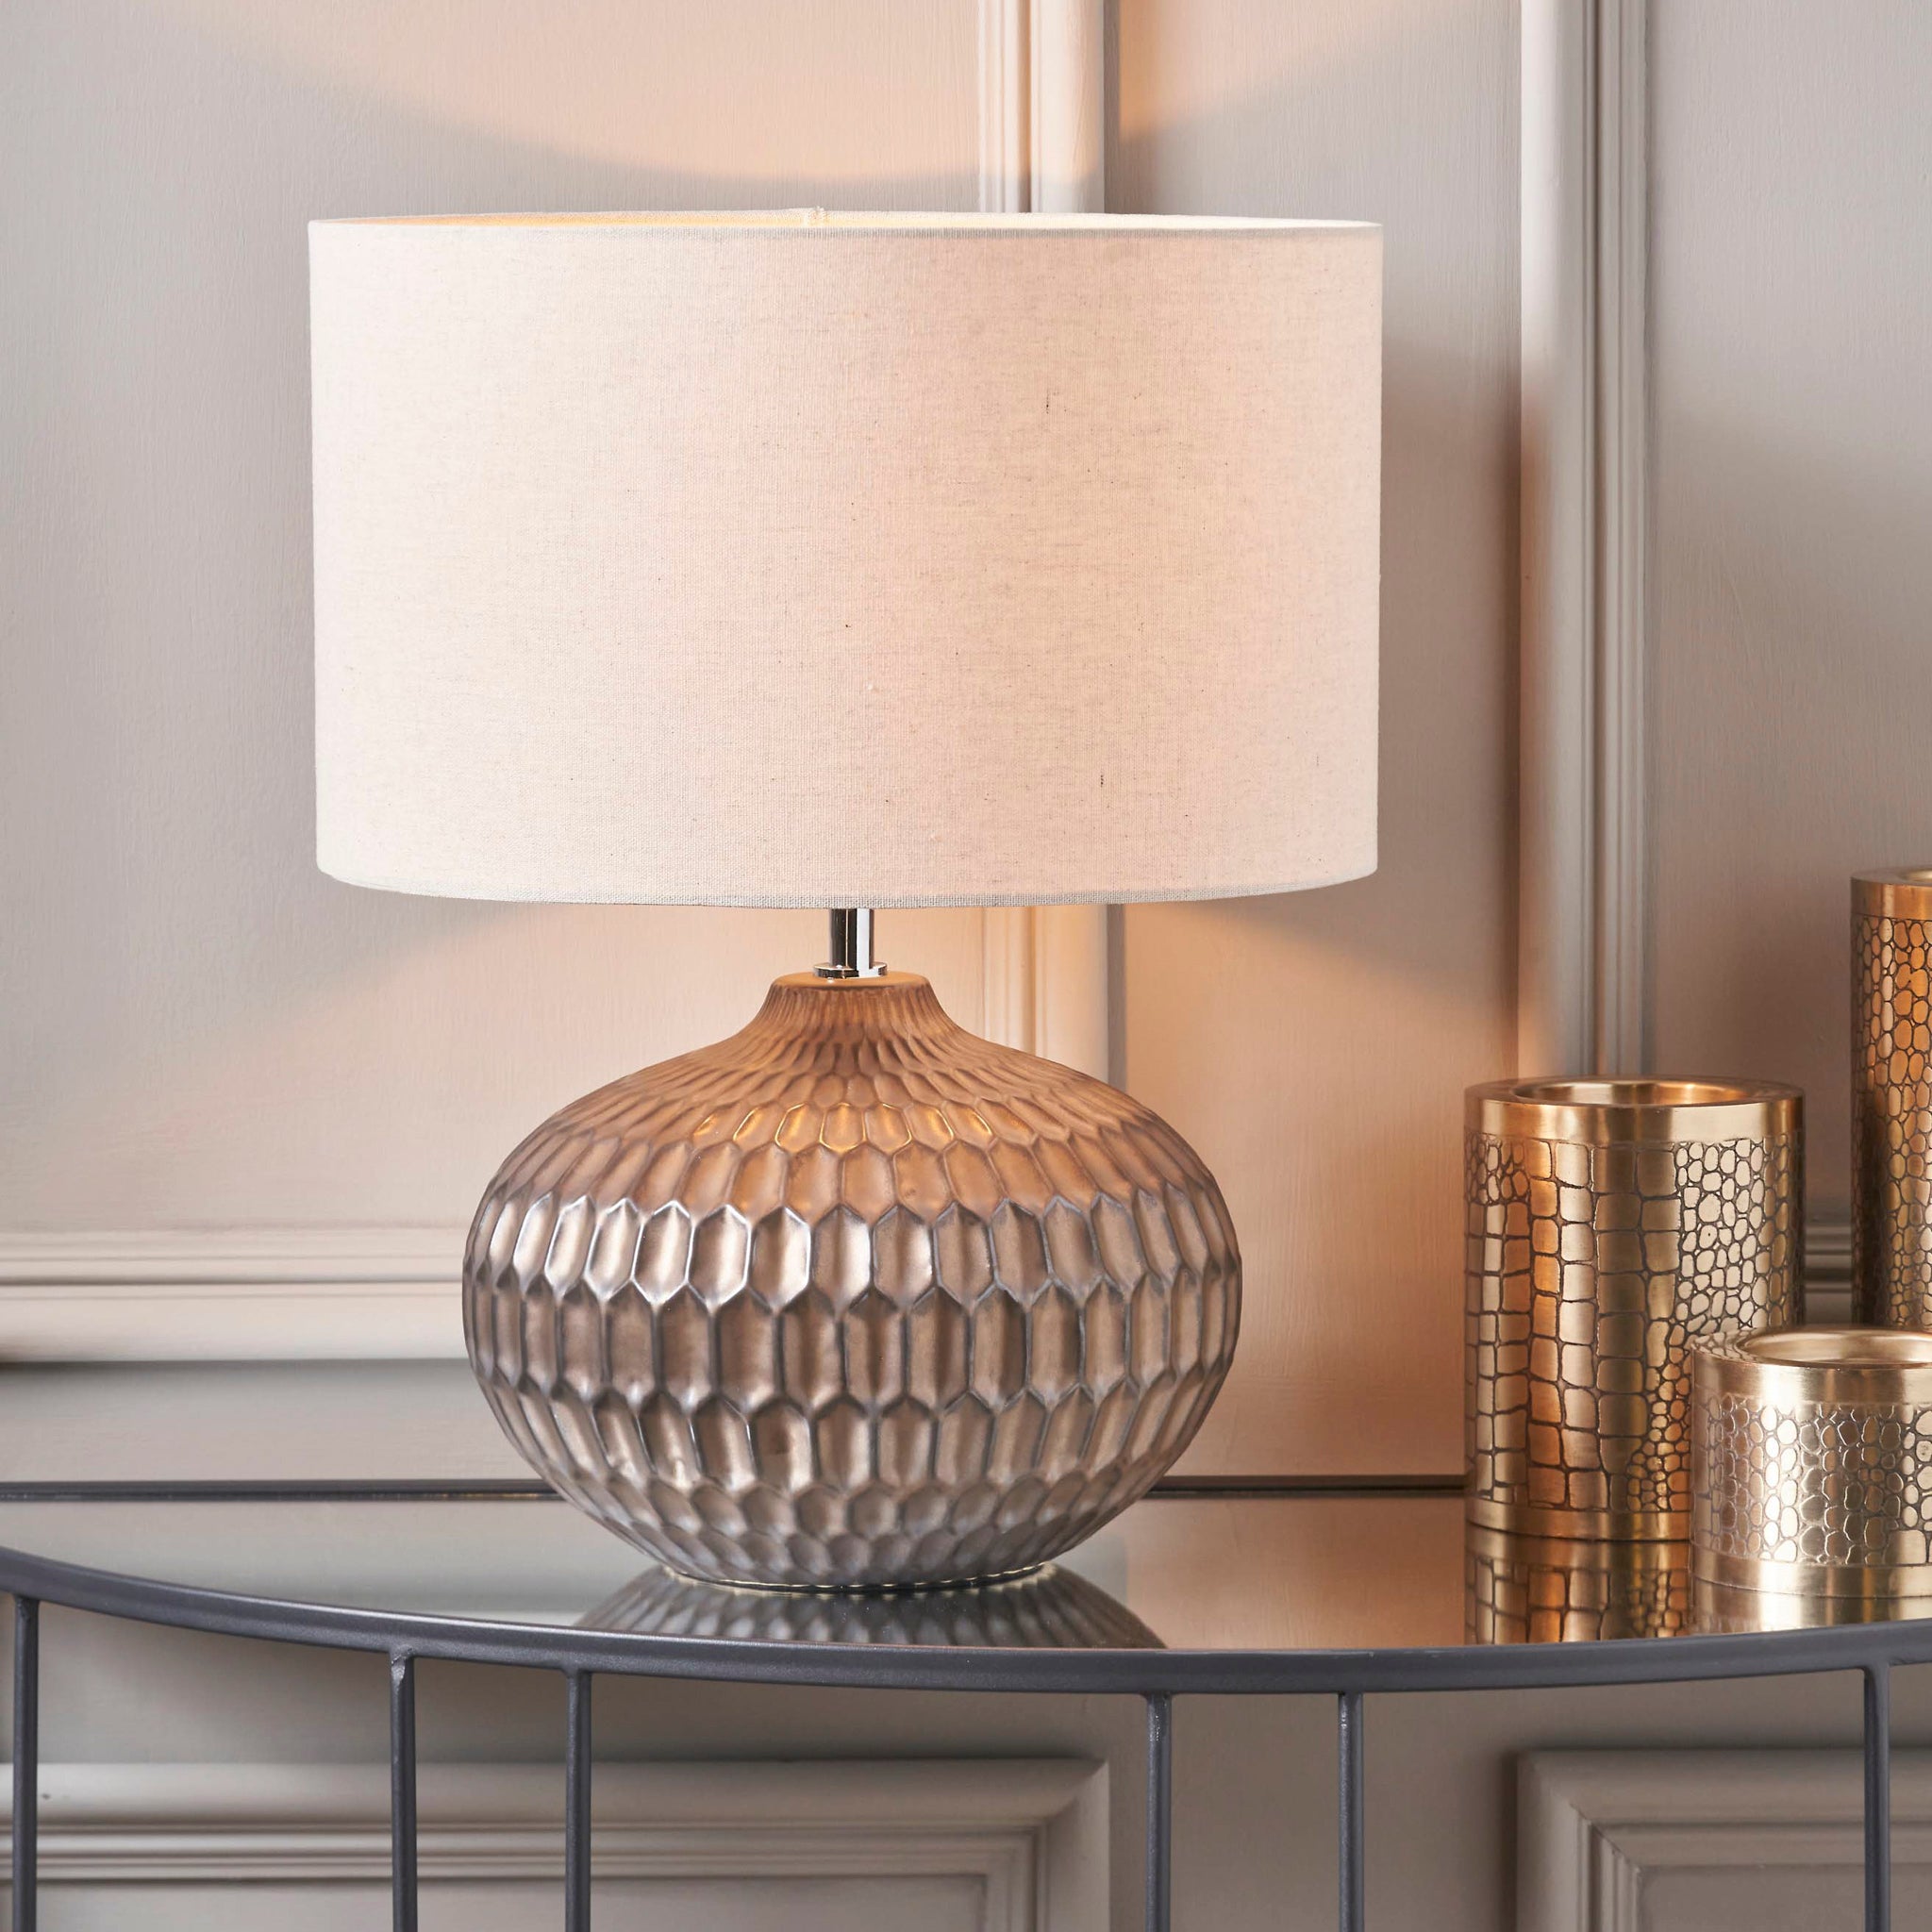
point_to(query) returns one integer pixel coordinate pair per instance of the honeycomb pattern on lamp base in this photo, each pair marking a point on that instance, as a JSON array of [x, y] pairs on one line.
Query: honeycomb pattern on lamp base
[[1891, 1119], [1547, 1589], [1835, 1495], [1592, 1270], [853, 1299]]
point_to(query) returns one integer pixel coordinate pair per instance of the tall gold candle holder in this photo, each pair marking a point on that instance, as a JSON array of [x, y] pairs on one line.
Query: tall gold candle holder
[[1613, 1223], [1891, 1097]]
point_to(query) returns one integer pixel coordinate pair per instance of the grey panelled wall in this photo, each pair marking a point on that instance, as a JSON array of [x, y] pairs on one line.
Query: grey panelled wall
[[199, 1029], [1792, 690], [200, 1032], [203, 1036]]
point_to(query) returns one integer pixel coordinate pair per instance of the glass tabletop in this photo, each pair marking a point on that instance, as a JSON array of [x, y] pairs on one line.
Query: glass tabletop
[[1203, 1574]]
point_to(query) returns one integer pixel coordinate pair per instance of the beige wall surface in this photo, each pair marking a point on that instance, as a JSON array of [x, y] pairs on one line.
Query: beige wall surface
[[1315, 1048], [1792, 692]]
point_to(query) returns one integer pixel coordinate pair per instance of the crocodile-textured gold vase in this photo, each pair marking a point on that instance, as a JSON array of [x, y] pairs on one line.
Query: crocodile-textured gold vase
[[1891, 1097], [1612, 1225], [853, 1299]]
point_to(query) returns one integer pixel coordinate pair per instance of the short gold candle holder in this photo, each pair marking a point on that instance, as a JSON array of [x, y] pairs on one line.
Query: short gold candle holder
[[1554, 1590], [1612, 1225], [1812, 1463]]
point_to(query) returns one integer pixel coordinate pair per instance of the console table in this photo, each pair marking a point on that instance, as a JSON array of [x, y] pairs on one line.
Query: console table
[[1341, 1591]]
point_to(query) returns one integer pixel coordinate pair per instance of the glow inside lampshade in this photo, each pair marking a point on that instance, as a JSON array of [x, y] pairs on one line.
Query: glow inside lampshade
[[846, 560]]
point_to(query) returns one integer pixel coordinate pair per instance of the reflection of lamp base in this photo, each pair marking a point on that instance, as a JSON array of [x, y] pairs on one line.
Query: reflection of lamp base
[[1723, 1607], [1051, 1610], [1550, 1589]]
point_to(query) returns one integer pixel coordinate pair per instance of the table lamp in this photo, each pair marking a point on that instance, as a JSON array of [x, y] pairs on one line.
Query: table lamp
[[851, 562]]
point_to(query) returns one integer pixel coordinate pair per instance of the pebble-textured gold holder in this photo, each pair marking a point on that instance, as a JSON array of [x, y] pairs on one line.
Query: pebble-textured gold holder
[[1611, 1225], [1891, 1097], [1811, 1457], [1553, 1590]]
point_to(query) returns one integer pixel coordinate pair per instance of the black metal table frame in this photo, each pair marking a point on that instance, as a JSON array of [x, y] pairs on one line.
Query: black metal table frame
[[1156, 1677]]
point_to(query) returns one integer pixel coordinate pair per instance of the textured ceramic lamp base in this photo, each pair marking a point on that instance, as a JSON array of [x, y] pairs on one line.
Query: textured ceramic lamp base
[[853, 1299]]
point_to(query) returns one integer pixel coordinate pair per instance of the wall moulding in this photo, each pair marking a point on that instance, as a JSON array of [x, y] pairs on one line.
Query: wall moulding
[[332, 1294], [1026, 1837], [276, 1294], [1672, 1840], [1585, 609]]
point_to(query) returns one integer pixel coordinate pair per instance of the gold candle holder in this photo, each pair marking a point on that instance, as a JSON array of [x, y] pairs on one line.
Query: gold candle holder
[[1554, 1590], [1613, 1223], [1891, 1097], [1811, 1457]]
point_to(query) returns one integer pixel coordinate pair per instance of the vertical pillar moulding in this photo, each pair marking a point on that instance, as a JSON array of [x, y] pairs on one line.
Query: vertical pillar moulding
[[1584, 610]]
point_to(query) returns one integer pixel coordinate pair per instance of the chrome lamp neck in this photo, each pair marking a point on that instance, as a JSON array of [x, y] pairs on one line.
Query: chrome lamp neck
[[851, 953]]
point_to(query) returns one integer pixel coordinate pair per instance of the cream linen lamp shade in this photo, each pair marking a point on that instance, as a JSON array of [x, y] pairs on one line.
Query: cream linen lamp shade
[[822, 559]]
